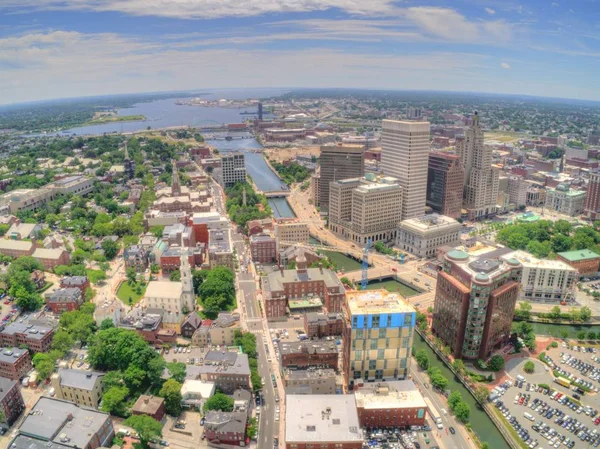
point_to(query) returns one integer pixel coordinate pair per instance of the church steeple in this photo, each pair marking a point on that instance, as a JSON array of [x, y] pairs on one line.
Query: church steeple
[[187, 297], [175, 182]]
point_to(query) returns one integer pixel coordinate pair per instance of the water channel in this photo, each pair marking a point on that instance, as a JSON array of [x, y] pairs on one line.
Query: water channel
[[481, 424], [556, 330]]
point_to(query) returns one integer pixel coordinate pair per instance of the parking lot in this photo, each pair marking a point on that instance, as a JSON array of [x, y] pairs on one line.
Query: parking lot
[[564, 415]]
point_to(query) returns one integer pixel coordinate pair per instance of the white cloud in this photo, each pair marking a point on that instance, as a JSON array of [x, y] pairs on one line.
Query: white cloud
[[69, 64], [490, 11], [505, 65], [203, 9]]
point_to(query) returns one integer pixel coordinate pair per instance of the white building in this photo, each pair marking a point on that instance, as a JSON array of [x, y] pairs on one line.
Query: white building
[[566, 201], [481, 179], [405, 155], [424, 235], [232, 170], [548, 281], [169, 297], [365, 208]]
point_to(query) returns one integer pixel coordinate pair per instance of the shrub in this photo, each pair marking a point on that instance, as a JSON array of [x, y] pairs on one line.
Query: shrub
[[529, 367]]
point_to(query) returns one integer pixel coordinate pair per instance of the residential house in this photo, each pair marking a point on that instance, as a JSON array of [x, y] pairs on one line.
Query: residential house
[[152, 406], [81, 387], [226, 428], [64, 300]]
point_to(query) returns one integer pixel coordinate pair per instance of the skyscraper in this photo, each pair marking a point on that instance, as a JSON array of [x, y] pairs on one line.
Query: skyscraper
[[481, 179], [475, 302], [445, 178], [405, 155], [339, 162], [378, 336], [592, 200], [232, 169], [175, 181]]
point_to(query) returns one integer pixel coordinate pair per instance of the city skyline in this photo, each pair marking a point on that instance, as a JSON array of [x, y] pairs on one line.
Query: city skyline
[[57, 49]]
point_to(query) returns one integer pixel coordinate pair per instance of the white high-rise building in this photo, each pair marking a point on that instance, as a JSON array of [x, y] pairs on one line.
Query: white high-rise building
[[405, 155], [481, 179]]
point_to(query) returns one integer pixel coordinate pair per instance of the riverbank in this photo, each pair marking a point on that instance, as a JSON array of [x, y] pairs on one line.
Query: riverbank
[[114, 118], [271, 167]]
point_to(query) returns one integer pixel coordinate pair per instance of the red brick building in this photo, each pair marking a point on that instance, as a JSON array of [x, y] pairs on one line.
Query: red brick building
[[64, 300], [321, 325], [390, 404], [309, 353], [11, 400], [263, 248], [259, 226], [51, 258], [38, 338], [152, 406], [586, 262], [80, 282], [200, 152], [592, 199], [226, 428], [14, 363]]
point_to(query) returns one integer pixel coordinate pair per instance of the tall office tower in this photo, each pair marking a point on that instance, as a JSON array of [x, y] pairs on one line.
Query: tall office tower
[[405, 155], [414, 113], [475, 302], [175, 181], [339, 162], [232, 170], [378, 335], [445, 178], [592, 200], [481, 179], [260, 111]]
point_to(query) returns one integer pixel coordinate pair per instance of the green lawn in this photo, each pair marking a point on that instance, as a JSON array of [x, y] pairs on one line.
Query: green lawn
[[126, 291]]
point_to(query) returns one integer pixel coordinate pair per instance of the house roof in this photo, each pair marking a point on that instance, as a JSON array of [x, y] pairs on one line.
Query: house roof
[[147, 405], [43, 253], [193, 319], [226, 422]]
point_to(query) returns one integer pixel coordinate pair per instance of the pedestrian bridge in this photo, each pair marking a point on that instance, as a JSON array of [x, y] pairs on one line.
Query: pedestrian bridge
[[277, 194]]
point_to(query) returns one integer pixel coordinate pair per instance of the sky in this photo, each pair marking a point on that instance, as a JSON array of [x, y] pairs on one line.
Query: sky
[[71, 48]]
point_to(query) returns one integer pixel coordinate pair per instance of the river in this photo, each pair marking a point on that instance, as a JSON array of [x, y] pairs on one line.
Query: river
[[481, 424]]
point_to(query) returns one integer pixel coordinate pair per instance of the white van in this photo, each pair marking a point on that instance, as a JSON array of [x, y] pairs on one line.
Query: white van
[[528, 416], [521, 378], [124, 431]]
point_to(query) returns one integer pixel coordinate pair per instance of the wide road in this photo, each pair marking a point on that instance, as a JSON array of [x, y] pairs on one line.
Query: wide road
[[460, 440]]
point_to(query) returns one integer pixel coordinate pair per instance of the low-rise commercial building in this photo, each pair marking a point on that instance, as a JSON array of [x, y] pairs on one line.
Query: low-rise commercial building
[[390, 404], [548, 281], [319, 420], [219, 332], [424, 235], [194, 393], [60, 423], [309, 354], [11, 401], [310, 381], [585, 261], [263, 248], [81, 387], [228, 370], [14, 363], [220, 249], [320, 325], [37, 338], [148, 323], [289, 232]]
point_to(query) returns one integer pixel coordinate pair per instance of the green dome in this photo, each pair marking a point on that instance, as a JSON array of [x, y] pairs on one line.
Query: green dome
[[482, 277], [457, 254]]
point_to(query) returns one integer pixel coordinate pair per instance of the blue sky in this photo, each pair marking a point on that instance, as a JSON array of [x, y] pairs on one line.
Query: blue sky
[[70, 48]]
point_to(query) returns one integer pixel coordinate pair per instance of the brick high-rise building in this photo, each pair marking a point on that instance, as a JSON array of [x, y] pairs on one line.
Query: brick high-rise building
[[481, 179], [339, 162], [405, 155], [592, 200], [475, 303], [445, 178]]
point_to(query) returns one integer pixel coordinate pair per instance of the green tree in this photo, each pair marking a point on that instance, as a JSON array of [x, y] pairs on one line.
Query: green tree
[[585, 313], [344, 280], [481, 393], [177, 371], [581, 335], [496, 363], [459, 366], [175, 276], [107, 323], [131, 275], [114, 401], [157, 231], [422, 359], [462, 411], [62, 341], [96, 276], [171, 391], [147, 428], [113, 379], [529, 367], [591, 335], [524, 311], [560, 243], [134, 377], [252, 430], [110, 248], [454, 399], [219, 401], [564, 334], [44, 365], [26, 263], [555, 313]]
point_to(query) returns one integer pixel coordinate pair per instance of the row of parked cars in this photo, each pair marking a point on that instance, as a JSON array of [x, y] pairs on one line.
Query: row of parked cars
[[578, 381], [587, 369], [519, 429]]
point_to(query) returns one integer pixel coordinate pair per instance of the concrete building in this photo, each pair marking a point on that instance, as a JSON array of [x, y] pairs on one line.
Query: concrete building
[[63, 424], [481, 179], [289, 232], [232, 169], [14, 363], [475, 303], [378, 337], [194, 393], [167, 296], [300, 290], [592, 199], [263, 248], [405, 155], [81, 387], [586, 262], [148, 323], [565, 200], [220, 249], [229, 371], [310, 381], [338, 162], [320, 420], [547, 281], [309, 354], [517, 190], [11, 401], [424, 235], [315, 189], [390, 404], [152, 406], [365, 208], [445, 178]]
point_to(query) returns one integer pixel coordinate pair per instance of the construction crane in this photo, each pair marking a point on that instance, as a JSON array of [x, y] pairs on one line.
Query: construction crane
[[364, 280]]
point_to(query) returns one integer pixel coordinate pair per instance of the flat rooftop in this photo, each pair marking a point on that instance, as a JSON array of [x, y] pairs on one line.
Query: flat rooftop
[[389, 395], [321, 418], [164, 289], [308, 346], [529, 260], [11, 355], [374, 302], [579, 255], [429, 222]]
